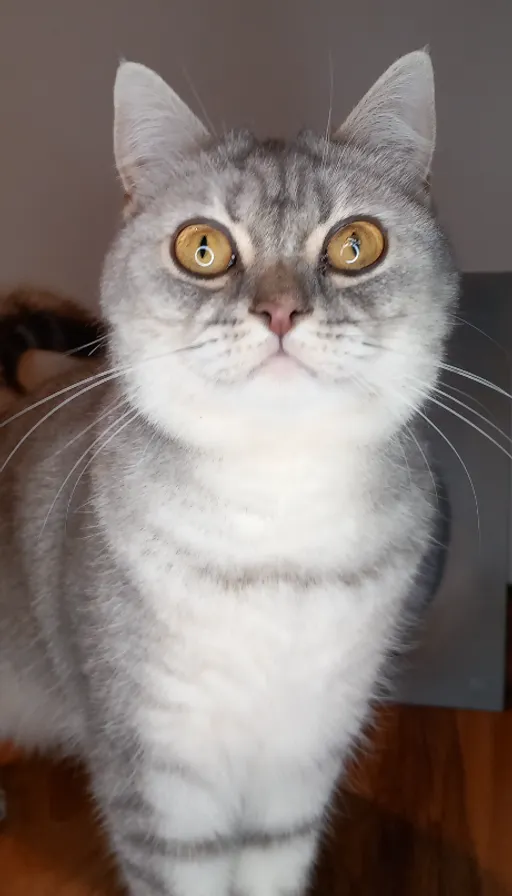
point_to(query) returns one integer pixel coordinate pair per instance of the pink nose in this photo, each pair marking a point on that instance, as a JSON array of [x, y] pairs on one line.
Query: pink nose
[[279, 315]]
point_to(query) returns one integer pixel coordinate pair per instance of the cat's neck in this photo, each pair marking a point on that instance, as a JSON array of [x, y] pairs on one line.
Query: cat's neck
[[266, 470], [297, 500]]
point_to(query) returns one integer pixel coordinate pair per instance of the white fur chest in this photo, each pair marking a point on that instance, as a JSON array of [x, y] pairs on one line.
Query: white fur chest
[[269, 671], [242, 658]]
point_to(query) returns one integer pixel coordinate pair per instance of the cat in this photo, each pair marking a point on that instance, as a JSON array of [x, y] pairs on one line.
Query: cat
[[209, 542]]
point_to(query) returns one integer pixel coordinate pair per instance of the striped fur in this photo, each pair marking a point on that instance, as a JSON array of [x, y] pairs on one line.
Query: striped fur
[[210, 546]]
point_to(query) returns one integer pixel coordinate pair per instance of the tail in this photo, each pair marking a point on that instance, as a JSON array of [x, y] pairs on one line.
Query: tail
[[43, 335]]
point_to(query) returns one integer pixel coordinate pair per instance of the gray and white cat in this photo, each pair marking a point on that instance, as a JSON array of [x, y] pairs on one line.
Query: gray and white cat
[[207, 547]]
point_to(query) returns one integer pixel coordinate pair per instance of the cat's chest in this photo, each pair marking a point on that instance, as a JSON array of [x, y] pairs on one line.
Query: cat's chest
[[268, 623], [266, 667]]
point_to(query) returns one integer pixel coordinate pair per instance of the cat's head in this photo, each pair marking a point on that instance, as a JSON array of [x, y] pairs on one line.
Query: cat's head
[[257, 286]]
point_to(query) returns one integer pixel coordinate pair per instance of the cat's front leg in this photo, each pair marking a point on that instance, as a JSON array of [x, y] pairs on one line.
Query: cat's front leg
[[281, 867], [286, 808], [170, 829]]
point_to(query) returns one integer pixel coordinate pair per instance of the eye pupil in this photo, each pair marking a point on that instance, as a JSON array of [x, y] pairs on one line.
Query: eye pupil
[[202, 247]]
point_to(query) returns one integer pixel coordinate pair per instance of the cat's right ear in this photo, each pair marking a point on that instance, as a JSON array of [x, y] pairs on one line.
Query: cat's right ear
[[152, 127], [397, 118]]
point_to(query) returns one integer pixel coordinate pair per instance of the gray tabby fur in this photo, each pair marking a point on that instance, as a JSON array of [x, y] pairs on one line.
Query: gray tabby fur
[[204, 618]]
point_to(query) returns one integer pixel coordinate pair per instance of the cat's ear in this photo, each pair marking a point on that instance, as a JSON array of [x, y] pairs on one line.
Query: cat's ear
[[152, 127], [397, 117]]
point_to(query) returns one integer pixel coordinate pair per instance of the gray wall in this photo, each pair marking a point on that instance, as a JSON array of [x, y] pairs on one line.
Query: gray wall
[[264, 64]]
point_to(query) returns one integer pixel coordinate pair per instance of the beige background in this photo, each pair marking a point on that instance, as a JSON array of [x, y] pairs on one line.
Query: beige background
[[265, 64]]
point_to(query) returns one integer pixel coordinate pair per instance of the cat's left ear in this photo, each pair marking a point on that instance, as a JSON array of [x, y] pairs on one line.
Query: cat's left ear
[[152, 127], [397, 118]]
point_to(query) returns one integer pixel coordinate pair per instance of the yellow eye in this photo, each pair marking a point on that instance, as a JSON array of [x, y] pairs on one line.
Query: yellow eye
[[203, 250], [355, 247]]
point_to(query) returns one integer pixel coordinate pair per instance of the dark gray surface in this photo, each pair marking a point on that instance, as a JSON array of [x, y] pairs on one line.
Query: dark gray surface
[[460, 658]]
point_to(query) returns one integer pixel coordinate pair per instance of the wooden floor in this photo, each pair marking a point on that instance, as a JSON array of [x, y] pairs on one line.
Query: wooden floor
[[427, 812]]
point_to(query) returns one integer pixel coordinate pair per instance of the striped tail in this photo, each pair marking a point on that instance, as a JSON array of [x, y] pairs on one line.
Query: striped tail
[[43, 335]]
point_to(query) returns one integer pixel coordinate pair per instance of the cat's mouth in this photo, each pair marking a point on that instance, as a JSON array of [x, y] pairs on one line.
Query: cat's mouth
[[282, 364]]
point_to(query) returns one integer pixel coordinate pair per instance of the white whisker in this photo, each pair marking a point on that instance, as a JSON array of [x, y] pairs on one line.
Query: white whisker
[[445, 438], [96, 342], [467, 323], [404, 453], [465, 419], [50, 414], [473, 425], [104, 339], [101, 448], [199, 101], [465, 394], [98, 379], [443, 365], [148, 446], [459, 458], [474, 377], [424, 456], [77, 463], [438, 391], [329, 114], [36, 404], [476, 413], [102, 376], [113, 406]]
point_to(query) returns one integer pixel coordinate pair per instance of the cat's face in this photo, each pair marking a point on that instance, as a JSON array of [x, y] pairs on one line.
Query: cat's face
[[263, 283]]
